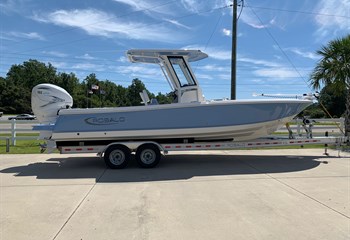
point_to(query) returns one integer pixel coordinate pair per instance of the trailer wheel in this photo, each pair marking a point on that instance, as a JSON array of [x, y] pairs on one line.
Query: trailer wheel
[[117, 156], [148, 155]]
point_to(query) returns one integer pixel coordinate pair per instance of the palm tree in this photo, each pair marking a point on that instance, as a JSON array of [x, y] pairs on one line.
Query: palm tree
[[334, 69]]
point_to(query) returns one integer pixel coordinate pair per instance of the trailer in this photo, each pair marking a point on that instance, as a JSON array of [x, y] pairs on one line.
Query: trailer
[[148, 153]]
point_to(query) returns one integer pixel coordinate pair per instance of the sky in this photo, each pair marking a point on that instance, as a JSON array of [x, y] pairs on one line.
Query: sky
[[276, 40]]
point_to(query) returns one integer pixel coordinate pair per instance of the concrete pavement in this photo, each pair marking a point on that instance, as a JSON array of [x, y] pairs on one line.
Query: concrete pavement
[[254, 194]]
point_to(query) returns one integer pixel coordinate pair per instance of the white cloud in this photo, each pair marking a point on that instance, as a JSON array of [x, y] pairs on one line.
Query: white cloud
[[99, 23], [258, 62], [86, 56], [219, 54], [178, 24], [304, 54], [215, 68], [216, 53], [30, 35], [191, 5], [123, 59], [148, 7], [334, 17], [276, 73], [270, 69], [139, 70], [201, 76], [89, 67], [55, 53], [248, 18], [8, 6], [226, 32], [136, 4]]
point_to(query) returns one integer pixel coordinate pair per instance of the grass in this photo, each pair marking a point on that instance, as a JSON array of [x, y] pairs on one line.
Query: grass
[[19, 134], [22, 147]]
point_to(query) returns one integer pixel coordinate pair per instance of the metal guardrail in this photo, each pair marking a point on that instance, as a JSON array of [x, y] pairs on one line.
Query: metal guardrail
[[339, 125], [14, 128]]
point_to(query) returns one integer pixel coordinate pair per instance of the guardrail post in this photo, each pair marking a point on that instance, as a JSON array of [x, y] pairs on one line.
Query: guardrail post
[[298, 127], [342, 124], [7, 145], [13, 132]]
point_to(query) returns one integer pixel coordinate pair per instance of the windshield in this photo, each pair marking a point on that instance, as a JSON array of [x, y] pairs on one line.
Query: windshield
[[182, 72]]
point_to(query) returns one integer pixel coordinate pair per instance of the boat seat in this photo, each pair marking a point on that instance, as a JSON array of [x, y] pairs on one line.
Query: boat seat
[[144, 96]]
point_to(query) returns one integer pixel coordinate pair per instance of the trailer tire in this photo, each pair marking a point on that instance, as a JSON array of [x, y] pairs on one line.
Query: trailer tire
[[148, 155], [117, 156]]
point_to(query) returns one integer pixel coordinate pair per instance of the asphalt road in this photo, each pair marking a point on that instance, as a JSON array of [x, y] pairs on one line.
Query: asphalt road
[[257, 194]]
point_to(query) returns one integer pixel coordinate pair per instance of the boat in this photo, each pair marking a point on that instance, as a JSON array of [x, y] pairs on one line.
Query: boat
[[189, 119]]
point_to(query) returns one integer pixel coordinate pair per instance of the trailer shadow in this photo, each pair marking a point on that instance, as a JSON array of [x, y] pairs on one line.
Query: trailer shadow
[[171, 167]]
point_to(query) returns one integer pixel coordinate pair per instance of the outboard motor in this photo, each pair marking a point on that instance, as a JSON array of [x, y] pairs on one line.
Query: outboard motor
[[47, 100]]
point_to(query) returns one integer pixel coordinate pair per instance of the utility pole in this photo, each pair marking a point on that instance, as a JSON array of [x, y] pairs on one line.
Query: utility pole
[[234, 50]]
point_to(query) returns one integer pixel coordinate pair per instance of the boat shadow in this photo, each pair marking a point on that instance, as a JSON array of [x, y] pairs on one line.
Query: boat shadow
[[171, 167]]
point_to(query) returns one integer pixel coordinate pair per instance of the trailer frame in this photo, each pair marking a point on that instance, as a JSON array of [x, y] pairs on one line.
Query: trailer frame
[[148, 153]]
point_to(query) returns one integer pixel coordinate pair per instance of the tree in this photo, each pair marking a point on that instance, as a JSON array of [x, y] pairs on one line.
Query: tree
[[15, 89], [31, 73], [91, 99], [334, 69], [164, 99], [20, 79], [333, 101], [133, 92]]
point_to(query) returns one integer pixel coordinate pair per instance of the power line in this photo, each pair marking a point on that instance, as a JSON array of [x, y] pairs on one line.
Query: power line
[[298, 11], [280, 48], [151, 24], [104, 20]]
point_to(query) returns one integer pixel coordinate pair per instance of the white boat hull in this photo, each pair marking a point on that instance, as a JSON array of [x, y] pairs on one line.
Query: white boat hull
[[235, 133], [231, 120]]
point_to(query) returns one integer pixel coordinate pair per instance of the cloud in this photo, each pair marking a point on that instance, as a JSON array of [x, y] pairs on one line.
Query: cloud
[[333, 18], [201, 76], [123, 59], [248, 18], [216, 53], [8, 6], [30, 35], [86, 56], [304, 54], [258, 62], [88, 66], [191, 5], [226, 32], [55, 53], [99, 23], [147, 7], [271, 69], [176, 23], [276, 73], [215, 68], [140, 70]]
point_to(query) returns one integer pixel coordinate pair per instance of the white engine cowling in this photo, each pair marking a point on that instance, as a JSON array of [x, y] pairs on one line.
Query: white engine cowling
[[47, 100]]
